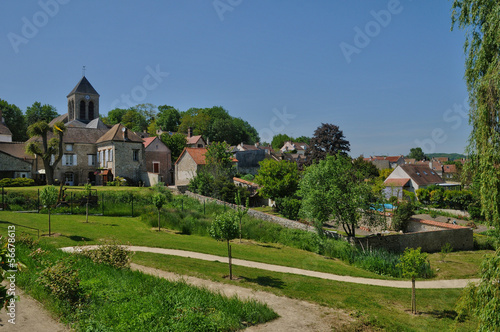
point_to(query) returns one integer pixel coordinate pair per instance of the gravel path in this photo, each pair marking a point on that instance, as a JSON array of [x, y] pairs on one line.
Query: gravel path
[[456, 283]]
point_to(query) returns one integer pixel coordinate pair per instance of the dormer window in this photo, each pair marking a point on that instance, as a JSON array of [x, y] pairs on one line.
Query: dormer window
[[69, 147]]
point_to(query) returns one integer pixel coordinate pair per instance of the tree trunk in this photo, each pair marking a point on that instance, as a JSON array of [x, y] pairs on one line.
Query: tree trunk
[[87, 211], [229, 255], [413, 299], [49, 221], [159, 220], [49, 173], [240, 229]]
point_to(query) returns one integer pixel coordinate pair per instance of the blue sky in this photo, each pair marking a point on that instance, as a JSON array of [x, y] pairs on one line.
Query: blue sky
[[388, 73]]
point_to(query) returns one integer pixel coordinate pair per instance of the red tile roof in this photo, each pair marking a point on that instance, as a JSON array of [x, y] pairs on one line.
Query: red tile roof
[[245, 182], [193, 139], [396, 182], [391, 159], [198, 155], [422, 174], [438, 224], [450, 168], [148, 140]]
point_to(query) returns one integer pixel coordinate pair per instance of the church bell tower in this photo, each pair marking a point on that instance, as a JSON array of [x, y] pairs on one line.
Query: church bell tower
[[83, 102]]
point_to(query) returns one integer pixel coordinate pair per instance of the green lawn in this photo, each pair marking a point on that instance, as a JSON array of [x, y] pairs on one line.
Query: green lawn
[[376, 307]]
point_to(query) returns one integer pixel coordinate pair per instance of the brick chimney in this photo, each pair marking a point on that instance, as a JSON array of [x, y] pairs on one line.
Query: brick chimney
[[190, 132]]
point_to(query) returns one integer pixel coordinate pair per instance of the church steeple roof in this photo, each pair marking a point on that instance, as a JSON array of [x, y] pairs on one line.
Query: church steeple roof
[[83, 86]]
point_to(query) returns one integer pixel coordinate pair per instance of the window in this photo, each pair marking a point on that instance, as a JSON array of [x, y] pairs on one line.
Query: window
[[69, 159], [82, 110], [69, 147], [135, 155], [106, 156], [91, 110], [156, 167], [110, 155], [91, 159]]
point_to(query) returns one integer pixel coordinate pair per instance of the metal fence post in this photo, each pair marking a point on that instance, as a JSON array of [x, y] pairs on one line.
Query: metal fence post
[[38, 202], [102, 203], [132, 198], [71, 205]]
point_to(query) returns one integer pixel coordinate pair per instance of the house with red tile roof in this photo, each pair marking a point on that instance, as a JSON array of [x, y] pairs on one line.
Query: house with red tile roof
[[384, 162], [189, 163], [158, 161]]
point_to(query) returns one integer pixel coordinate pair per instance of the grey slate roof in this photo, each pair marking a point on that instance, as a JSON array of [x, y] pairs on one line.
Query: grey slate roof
[[96, 124], [83, 86], [4, 130], [63, 118], [116, 134]]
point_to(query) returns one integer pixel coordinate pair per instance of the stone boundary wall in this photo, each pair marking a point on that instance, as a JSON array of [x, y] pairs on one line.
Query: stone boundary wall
[[256, 214], [430, 241]]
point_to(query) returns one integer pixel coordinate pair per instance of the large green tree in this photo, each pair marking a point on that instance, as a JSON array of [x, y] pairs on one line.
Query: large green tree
[[38, 112], [279, 140], [277, 179], [168, 118], [481, 21], [176, 143], [14, 120], [49, 150], [334, 190], [417, 154], [328, 140]]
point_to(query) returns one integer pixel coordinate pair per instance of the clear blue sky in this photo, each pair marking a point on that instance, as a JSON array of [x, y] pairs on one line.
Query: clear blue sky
[[394, 85]]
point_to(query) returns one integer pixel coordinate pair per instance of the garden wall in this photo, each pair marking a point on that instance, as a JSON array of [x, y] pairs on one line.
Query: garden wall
[[428, 235], [256, 214]]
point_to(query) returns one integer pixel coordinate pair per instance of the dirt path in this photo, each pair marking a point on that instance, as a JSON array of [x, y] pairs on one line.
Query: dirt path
[[295, 315], [31, 316], [427, 284]]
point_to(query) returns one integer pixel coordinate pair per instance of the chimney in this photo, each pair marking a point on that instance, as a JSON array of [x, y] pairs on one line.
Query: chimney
[[257, 144], [190, 132], [125, 134]]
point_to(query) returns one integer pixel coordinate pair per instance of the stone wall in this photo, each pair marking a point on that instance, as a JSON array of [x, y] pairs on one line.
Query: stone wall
[[430, 241], [256, 214]]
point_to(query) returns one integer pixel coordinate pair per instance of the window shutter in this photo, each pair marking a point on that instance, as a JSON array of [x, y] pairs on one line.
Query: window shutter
[[74, 159]]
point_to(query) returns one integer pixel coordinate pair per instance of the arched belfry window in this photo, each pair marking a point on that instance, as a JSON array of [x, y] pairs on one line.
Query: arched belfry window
[[82, 110], [91, 110]]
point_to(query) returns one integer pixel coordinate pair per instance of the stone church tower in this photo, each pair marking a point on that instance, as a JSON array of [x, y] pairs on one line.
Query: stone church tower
[[83, 102]]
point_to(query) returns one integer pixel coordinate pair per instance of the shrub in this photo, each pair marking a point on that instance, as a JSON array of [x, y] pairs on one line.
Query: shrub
[[402, 216], [26, 240], [61, 279], [110, 254], [289, 207], [248, 177], [16, 182]]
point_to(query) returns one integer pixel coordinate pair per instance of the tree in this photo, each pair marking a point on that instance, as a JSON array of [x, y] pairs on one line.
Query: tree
[[50, 151], [303, 139], [277, 178], [412, 261], [417, 154], [482, 300], [333, 189], [482, 75], [48, 197], [14, 120], [168, 118], [114, 116], [159, 200], [279, 140], [134, 120], [328, 140], [176, 143], [36, 113], [225, 228], [365, 168], [219, 165], [240, 210]]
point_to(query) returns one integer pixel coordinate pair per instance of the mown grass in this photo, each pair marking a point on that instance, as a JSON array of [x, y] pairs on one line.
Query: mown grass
[[111, 299], [373, 307]]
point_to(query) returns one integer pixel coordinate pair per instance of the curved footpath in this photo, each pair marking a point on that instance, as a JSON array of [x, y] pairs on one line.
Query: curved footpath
[[426, 284]]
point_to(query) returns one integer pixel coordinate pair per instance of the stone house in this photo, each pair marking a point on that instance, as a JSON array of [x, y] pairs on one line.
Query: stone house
[[194, 141], [189, 163], [385, 162], [248, 157], [120, 152], [158, 161], [298, 147]]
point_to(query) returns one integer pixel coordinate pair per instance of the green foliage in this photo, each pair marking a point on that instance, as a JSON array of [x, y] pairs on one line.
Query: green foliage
[[61, 279], [225, 226], [176, 143], [366, 169], [111, 297], [483, 300], [48, 196], [248, 177], [168, 118], [6, 255], [277, 178], [417, 154], [445, 250], [111, 254], [16, 182], [412, 263], [279, 140], [14, 120], [332, 190], [159, 200], [402, 215], [36, 113], [289, 207], [114, 116]]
